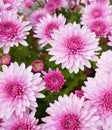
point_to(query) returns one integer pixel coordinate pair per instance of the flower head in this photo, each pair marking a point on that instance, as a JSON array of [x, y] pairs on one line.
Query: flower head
[[37, 66], [99, 92], [73, 116], [73, 46], [5, 59], [101, 27], [28, 122], [19, 90], [54, 80], [105, 62], [12, 30], [47, 26], [36, 16], [95, 11]]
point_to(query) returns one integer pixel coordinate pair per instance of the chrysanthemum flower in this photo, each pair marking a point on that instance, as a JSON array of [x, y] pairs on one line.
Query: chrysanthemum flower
[[54, 80], [14, 5], [3, 6], [105, 62], [94, 11], [5, 59], [73, 47], [36, 16], [99, 92], [37, 65], [19, 89], [28, 122], [12, 30], [47, 26], [50, 7], [60, 3], [101, 27], [69, 113]]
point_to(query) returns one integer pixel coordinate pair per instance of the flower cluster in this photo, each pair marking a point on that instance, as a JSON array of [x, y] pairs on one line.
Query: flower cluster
[[55, 64]]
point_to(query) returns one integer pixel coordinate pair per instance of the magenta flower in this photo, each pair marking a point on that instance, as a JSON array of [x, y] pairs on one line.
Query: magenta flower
[[28, 122], [69, 113], [54, 80], [12, 30], [99, 92], [19, 90], [101, 27], [73, 47], [5, 59], [47, 26], [79, 93], [37, 66]]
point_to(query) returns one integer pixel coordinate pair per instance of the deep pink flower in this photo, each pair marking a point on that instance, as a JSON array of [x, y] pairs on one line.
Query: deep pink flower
[[50, 7], [13, 30], [99, 92], [37, 66], [47, 26], [54, 80], [101, 27], [69, 113], [79, 93], [5, 59], [73, 46], [19, 89]]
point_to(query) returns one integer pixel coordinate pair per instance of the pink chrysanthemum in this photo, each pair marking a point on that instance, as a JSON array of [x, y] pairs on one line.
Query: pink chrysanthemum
[[14, 5], [28, 3], [36, 16], [73, 46], [12, 30], [99, 92], [5, 59], [95, 1], [28, 122], [60, 3], [18, 90], [3, 6], [105, 62], [47, 26], [94, 11], [54, 80], [73, 116], [101, 27], [37, 65], [50, 7]]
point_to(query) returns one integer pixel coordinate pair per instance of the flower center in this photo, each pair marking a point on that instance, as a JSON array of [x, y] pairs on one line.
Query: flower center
[[107, 101], [14, 90], [75, 45], [50, 29], [70, 122], [22, 127], [8, 29], [96, 13]]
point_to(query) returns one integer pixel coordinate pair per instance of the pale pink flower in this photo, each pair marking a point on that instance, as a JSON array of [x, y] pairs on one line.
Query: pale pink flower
[[95, 11], [37, 65], [13, 30], [36, 16], [54, 80], [3, 6], [104, 63], [14, 5], [28, 122], [19, 89], [47, 26], [99, 92], [69, 113], [73, 46], [95, 1], [101, 27]]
